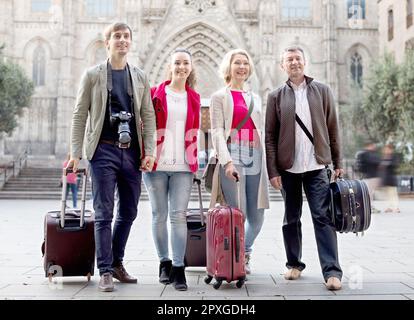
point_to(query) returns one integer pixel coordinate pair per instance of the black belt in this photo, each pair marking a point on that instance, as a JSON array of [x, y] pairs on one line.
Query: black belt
[[116, 143]]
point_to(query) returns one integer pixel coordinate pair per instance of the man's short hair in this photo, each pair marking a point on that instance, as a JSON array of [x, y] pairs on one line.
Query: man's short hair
[[116, 26], [292, 49]]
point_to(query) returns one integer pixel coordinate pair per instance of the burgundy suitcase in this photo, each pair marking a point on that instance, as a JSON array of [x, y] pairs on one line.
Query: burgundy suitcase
[[195, 253], [350, 205], [225, 245], [69, 245]]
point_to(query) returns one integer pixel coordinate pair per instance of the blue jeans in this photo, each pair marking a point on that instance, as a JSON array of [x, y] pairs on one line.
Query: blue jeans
[[110, 167], [316, 186], [74, 189], [169, 194], [249, 165]]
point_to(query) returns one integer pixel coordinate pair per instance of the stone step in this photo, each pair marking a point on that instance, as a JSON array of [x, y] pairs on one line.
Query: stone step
[[57, 196], [43, 183]]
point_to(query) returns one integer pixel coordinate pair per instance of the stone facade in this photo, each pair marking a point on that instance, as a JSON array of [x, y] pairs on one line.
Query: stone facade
[[396, 27], [66, 38]]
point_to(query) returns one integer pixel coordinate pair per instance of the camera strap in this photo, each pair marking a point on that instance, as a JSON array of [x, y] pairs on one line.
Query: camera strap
[[109, 86]]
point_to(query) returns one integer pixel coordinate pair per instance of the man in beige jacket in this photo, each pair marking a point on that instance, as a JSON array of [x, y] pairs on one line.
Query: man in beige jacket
[[114, 107], [302, 138]]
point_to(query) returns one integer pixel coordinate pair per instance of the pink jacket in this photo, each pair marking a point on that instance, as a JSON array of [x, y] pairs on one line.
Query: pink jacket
[[159, 101]]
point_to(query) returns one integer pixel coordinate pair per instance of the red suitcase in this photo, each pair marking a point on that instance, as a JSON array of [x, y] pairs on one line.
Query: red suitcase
[[195, 253], [69, 245], [225, 245]]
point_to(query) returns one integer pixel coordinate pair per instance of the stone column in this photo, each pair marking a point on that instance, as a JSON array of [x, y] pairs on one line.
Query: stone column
[[330, 45], [267, 52], [66, 94]]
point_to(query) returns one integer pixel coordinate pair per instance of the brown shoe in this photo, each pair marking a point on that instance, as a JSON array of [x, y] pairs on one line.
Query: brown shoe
[[292, 274], [106, 284], [333, 283], [122, 275]]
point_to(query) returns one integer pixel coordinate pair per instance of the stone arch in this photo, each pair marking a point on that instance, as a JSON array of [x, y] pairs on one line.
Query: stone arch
[[91, 51], [32, 46], [208, 46], [363, 52]]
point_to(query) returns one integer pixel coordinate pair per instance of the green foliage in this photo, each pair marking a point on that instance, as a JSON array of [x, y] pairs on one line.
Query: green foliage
[[406, 95], [384, 111], [380, 106], [352, 135], [15, 93]]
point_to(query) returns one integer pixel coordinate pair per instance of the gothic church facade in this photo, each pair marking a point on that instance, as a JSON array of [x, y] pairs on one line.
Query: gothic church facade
[[56, 40]]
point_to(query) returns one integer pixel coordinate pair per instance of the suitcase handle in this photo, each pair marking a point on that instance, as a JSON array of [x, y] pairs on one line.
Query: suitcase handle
[[200, 200], [65, 172], [236, 175]]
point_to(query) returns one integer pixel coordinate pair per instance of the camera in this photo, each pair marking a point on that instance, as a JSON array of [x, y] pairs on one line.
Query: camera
[[124, 132]]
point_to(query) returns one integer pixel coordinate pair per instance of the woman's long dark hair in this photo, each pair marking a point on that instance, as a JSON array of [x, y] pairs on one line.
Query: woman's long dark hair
[[191, 80]]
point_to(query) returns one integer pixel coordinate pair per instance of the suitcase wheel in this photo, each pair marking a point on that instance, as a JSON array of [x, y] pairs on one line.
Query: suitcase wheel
[[217, 284], [240, 283], [208, 279], [88, 276]]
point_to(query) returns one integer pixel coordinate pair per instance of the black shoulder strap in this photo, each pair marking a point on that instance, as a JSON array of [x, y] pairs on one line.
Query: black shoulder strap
[[110, 86], [244, 120], [304, 128]]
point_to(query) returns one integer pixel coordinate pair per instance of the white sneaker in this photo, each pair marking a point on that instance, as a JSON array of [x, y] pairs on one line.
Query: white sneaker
[[247, 263]]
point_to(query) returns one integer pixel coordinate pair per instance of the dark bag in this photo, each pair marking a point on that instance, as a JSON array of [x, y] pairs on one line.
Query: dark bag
[[195, 251], [350, 205], [69, 243], [209, 173]]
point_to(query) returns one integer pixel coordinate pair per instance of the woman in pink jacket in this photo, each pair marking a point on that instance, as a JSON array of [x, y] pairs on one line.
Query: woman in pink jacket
[[177, 109]]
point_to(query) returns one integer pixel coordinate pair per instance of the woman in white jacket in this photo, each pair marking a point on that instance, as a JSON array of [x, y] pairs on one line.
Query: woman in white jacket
[[238, 143]]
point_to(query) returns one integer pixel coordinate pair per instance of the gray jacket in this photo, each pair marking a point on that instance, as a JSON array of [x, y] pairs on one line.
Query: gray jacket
[[90, 108], [280, 127]]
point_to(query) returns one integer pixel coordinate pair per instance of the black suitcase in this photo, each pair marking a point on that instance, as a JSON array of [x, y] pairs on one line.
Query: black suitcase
[[69, 241], [350, 205], [195, 253]]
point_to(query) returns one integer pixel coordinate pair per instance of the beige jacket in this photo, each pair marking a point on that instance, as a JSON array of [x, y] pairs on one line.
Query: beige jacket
[[221, 116], [90, 108]]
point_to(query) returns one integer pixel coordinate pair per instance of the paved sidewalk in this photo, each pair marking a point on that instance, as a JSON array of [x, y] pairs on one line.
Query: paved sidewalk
[[379, 265]]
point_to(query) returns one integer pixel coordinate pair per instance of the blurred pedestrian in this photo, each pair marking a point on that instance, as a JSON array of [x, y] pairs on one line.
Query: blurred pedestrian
[[388, 167], [71, 183], [367, 164]]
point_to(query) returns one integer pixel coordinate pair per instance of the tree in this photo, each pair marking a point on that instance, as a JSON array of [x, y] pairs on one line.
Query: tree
[[387, 110], [406, 99], [380, 111], [15, 93], [352, 135]]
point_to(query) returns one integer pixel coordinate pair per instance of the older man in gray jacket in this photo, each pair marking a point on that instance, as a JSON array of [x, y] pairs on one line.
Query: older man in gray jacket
[[114, 107], [302, 137]]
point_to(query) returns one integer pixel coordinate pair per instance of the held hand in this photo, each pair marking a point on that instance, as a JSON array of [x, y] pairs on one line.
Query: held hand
[[339, 173], [147, 163], [73, 163], [231, 172], [276, 182]]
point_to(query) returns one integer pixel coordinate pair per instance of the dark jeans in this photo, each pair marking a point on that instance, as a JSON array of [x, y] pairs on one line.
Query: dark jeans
[[316, 186], [113, 167]]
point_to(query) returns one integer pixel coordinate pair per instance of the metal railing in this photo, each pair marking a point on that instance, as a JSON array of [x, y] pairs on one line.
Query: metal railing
[[13, 168]]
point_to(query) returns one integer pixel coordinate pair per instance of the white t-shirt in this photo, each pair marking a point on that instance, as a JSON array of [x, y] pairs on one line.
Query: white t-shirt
[[172, 157]]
